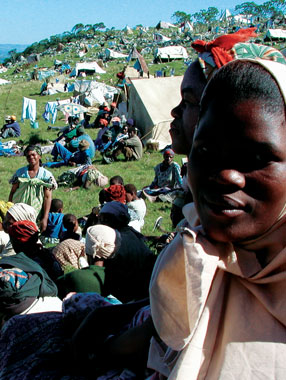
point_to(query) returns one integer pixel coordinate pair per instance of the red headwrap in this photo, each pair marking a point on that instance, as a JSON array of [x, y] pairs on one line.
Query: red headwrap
[[23, 231], [103, 122], [115, 193], [221, 46]]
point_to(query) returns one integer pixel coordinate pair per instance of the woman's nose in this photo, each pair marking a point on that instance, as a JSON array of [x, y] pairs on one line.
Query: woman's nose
[[176, 112], [229, 177]]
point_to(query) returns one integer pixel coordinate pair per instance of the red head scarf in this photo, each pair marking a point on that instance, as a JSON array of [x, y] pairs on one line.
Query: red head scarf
[[23, 231], [220, 48], [115, 193]]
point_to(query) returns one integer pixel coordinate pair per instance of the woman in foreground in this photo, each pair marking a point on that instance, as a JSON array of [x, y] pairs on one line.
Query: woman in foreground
[[216, 292]]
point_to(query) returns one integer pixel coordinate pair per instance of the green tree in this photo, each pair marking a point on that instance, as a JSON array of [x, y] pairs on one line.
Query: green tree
[[97, 26], [248, 9], [13, 55], [77, 28], [181, 17], [206, 16]]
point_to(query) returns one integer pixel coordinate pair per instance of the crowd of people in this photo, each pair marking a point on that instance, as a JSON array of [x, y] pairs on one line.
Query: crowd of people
[[210, 305]]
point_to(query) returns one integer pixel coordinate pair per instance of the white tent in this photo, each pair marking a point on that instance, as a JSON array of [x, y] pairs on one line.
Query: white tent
[[87, 67], [160, 38], [127, 30], [150, 103], [4, 81], [225, 15], [94, 92], [165, 25], [275, 34], [171, 52], [114, 54]]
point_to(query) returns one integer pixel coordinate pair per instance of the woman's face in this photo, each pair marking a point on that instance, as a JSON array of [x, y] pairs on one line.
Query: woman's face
[[8, 221], [168, 159], [187, 112], [237, 169], [33, 157]]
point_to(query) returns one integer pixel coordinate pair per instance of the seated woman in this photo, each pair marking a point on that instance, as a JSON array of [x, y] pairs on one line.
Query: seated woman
[[70, 254], [136, 207], [102, 243], [167, 179], [24, 236], [33, 185]]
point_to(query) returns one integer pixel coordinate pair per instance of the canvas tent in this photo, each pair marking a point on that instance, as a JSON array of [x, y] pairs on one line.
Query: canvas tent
[[158, 37], [275, 34], [114, 54], [87, 67], [165, 25], [150, 102], [171, 52], [225, 15]]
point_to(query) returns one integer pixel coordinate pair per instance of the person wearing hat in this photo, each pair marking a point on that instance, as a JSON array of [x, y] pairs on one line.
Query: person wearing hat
[[79, 157], [82, 135], [101, 244], [11, 128]]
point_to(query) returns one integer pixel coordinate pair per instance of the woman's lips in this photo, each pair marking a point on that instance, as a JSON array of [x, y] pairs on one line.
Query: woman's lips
[[226, 206]]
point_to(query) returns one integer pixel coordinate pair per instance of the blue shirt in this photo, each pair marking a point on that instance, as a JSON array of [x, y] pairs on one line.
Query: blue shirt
[[55, 225]]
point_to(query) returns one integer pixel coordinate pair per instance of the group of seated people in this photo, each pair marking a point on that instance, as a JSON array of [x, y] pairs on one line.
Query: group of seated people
[[116, 135], [211, 304]]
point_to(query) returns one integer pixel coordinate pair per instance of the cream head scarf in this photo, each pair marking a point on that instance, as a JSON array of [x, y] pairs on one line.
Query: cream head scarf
[[22, 211], [102, 241]]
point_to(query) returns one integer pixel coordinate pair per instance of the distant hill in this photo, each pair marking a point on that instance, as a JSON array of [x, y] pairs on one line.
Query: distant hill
[[5, 48]]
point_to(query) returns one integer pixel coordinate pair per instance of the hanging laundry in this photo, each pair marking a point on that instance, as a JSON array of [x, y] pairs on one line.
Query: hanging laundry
[[29, 109]]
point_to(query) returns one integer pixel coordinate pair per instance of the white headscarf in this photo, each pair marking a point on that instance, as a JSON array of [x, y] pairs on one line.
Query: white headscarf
[[102, 241], [22, 211]]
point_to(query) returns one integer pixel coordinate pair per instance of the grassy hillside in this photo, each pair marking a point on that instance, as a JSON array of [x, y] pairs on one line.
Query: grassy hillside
[[79, 202]]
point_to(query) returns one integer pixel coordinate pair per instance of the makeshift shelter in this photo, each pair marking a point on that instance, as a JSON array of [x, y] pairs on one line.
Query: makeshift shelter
[[158, 37], [33, 58], [275, 35], [4, 81], [88, 67], [127, 30], [112, 54], [170, 53], [165, 25], [93, 92], [225, 15], [150, 102]]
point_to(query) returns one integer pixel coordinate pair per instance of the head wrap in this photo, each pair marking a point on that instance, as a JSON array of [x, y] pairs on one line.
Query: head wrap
[[69, 252], [24, 231], [130, 122], [119, 212], [115, 193], [113, 104], [7, 118], [226, 48], [102, 241], [13, 118], [103, 122], [22, 211], [4, 207], [83, 145], [168, 152], [34, 148]]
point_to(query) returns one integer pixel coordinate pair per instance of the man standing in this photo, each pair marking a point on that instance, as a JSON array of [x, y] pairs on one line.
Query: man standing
[[11, 128]]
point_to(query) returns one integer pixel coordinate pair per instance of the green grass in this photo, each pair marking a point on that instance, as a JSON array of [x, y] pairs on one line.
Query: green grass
[[79, 202]]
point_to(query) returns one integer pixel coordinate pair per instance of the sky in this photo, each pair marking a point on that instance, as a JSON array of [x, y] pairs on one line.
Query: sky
[[29, 21]]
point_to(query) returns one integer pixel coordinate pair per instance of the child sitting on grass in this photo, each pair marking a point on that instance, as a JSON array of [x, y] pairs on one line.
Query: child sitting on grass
[[73, 230]]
